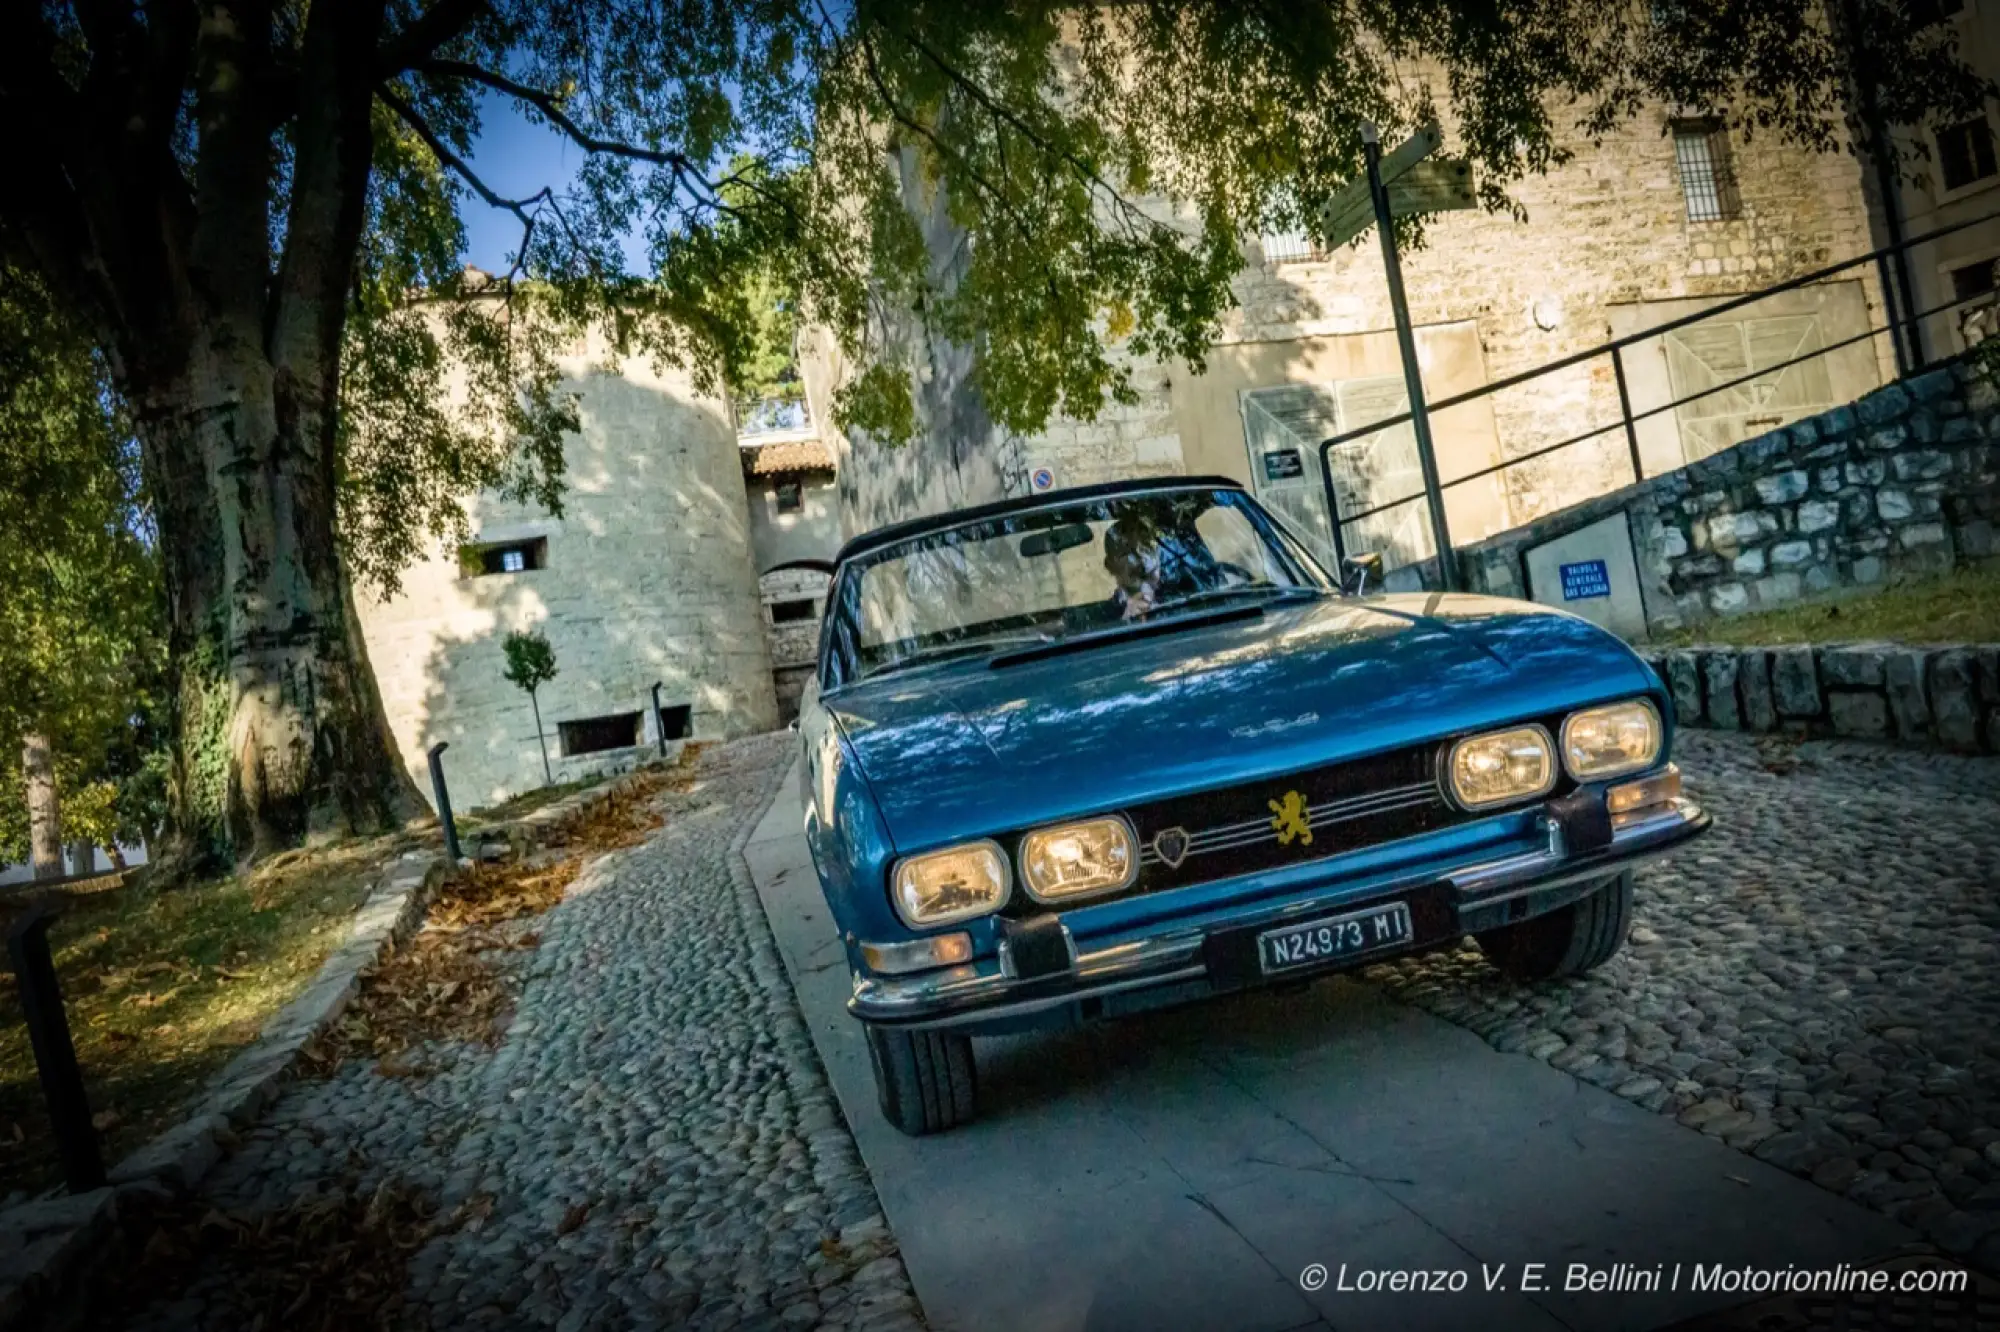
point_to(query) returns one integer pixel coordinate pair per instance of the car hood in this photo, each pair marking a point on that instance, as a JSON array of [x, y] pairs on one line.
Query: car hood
[[963, 749]]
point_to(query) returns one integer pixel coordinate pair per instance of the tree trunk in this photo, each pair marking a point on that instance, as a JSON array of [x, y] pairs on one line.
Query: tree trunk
[[118, 865], [548, 777], [38, 769], [82, 858], [281, 734]]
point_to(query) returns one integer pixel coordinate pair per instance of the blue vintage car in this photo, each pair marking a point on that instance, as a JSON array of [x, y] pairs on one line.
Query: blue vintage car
[[1106, 749]]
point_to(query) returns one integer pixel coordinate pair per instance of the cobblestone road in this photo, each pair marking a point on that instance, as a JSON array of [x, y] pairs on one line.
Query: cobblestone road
[[1815, 982], [655, 1131]]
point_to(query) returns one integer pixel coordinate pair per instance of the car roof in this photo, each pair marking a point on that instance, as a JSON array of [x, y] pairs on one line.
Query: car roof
[[892, 533]]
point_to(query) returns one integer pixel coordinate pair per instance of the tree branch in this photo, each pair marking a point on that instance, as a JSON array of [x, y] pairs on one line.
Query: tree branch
[[686, 174], [1000, 111], [463, 170], [551, 109], [421, 38]]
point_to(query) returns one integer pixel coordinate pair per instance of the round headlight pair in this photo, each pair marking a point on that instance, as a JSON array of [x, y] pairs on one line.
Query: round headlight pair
[[1058, 864], [1519, 763]]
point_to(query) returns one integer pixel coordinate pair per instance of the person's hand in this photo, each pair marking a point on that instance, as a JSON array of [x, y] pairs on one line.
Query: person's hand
[[1138, 603]]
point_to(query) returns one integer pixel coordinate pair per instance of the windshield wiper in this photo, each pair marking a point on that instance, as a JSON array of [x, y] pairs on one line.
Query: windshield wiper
[[1207, 596], [973, 647]]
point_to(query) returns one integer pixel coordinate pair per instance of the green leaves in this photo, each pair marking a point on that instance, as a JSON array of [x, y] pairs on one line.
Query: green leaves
[[81, 639], [531, 662]]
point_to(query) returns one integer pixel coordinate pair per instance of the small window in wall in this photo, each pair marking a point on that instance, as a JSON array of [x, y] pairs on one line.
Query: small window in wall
[[790, 612], [1965, 153], [506, 557], [676, 721], [1708, 177], [1972, 280], [591, 735], [791, 496]]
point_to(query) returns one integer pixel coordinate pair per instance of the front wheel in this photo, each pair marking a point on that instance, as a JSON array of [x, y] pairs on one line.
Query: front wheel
[[925, 1079], [1567, 941]]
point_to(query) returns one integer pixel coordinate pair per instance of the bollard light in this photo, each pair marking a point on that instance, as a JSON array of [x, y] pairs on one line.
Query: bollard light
[[443, 799]]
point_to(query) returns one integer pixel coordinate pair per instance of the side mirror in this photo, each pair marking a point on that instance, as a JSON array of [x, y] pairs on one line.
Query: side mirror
[[1358, 571]]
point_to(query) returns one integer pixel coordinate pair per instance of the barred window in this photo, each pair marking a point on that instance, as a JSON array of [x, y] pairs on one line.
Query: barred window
[[1708, 178], [591, 735], [1965, 153], [1287, 247]]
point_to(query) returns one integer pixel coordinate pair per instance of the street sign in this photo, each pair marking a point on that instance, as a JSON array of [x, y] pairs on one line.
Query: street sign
[[1441, 185], [1417, 183]]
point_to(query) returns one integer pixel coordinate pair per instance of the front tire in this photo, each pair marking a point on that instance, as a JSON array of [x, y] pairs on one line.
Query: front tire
[[1567, 941], [926, 1080]]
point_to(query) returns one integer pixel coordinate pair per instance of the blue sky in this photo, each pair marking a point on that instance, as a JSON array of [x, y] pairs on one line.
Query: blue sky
[[516, 157]]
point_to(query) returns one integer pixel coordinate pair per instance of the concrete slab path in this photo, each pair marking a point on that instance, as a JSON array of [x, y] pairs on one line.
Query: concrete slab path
[[1187, 1169]]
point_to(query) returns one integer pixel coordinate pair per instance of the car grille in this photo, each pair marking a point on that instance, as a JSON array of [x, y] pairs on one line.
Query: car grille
[[1230, 830], [1323, 812]]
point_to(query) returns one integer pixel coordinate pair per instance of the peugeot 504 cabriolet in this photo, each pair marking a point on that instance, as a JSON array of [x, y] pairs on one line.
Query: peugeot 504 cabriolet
[[1102, 750]]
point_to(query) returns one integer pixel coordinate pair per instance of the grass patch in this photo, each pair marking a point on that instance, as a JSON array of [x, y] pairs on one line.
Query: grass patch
[[164, 985], [1961, 607], [528, 802]]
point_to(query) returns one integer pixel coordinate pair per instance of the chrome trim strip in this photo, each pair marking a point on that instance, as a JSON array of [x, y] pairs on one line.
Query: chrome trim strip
[[1637, 836], [1229, 836]]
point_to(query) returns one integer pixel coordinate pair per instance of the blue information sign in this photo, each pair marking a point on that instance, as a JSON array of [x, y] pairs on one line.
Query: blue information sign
[[1588, 579]]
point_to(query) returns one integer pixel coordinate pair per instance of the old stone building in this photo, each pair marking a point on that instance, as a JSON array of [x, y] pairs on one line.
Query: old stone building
[[1954, 183], [1668, 216], [647, 578], [794, 520]]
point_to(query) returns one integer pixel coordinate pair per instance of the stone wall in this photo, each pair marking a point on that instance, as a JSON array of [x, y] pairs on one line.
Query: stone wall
[[647, 577], [1904, 481], [1943, 697], [1604, 246], [958, 457]]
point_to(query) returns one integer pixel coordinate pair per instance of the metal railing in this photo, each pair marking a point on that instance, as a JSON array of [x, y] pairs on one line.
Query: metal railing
[[1896, 325], [773, 418]]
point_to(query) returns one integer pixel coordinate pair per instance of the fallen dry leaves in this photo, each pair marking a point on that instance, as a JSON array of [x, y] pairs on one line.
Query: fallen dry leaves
[[444, 985], [331, 1260]]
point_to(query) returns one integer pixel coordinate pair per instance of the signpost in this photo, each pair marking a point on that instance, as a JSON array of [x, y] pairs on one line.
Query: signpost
[[1401, 182]]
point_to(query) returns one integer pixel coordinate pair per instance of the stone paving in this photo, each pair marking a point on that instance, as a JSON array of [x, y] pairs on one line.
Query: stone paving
[[1814, 982], [653, 1144]]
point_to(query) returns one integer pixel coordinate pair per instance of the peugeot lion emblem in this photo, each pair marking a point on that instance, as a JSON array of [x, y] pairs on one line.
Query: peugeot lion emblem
[[1172, 846]]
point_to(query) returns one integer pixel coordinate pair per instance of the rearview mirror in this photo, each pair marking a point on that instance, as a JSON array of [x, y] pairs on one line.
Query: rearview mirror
[[1358, 571], [1055, 540]]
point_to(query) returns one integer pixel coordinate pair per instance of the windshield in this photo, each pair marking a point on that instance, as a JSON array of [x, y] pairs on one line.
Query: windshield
[[1042, 575]]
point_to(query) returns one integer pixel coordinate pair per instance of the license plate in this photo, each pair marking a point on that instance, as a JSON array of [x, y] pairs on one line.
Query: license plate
[[1316, 942]]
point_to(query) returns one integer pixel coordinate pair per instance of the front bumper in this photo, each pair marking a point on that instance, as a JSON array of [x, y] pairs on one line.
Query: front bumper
[[1480, 897]]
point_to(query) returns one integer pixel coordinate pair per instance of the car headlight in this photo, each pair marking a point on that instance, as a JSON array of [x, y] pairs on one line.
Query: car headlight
[[956, 883], [1612, 740], [1492, 769], [1077, 859]]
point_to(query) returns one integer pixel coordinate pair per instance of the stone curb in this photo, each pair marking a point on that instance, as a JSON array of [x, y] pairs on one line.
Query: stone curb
[[47, 1242], [1935, 696]]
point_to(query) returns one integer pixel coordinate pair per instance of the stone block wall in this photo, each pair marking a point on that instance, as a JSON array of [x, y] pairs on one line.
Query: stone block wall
[[1903, 481], [1943, 697], [1600, 242], [648, 577]]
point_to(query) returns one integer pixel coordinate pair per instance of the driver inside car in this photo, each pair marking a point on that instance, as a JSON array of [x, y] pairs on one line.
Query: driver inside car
[[1153, 564]]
